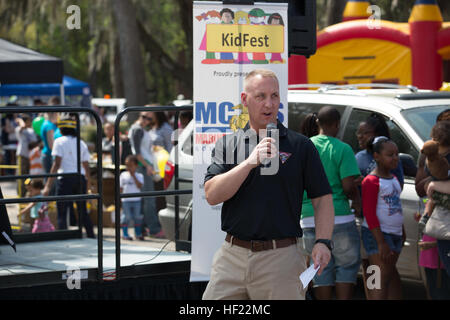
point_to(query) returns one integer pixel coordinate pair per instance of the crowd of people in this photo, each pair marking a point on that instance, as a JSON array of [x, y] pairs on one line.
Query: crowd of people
[[371, 232], [47, 144], [347, 205]]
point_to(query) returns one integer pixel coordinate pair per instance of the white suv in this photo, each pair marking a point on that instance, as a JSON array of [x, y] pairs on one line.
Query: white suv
[[410, 115]]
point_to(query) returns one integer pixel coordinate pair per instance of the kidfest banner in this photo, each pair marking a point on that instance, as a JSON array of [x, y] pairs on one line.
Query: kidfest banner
[[229, 42]]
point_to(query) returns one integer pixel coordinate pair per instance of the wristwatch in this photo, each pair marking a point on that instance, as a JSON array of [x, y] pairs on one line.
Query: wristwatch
[[328, 243]]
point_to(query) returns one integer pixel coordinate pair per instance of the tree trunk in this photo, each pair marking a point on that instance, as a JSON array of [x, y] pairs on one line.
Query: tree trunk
[[186, 19], [92, 54], [130, 54], [115, 71], [186, 9], [335, 9]]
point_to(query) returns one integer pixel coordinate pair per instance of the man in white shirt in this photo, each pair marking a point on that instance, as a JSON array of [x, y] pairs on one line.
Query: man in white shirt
[[65, 161]]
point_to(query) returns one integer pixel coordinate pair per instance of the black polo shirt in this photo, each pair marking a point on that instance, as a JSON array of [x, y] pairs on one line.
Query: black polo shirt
[[268, 207]]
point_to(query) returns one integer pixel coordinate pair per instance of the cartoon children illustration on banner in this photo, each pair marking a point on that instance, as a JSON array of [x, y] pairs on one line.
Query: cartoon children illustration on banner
[[211, 16], [239, 55], [276, 19], [226, 16], [257, 17]]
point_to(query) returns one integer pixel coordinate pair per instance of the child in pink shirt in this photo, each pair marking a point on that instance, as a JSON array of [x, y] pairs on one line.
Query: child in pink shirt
[[438, 282]]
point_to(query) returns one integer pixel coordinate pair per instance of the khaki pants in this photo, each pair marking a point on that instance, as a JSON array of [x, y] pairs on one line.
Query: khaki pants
[[240, 274]]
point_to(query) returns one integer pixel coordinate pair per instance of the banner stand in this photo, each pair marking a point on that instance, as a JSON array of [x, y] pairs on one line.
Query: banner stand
[[230, 39]]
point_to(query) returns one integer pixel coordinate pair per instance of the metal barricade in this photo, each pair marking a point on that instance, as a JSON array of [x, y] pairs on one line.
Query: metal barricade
[[64, 234], [118, 196]]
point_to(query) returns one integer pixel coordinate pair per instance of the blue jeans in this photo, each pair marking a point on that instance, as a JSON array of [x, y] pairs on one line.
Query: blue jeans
[[47, 162], [444, 253], [149, 211], [131, 212], [345, 257], [442, 293], [395, 242]]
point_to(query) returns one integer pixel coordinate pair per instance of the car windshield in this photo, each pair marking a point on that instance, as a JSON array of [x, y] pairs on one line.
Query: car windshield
[[423, 119]]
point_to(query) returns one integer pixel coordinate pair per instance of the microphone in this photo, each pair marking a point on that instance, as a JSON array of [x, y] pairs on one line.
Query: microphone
[[269, 128], [270, 133]]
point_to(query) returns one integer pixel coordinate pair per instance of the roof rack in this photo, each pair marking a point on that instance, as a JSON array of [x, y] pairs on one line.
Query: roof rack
[[326, 87], [425, 95]]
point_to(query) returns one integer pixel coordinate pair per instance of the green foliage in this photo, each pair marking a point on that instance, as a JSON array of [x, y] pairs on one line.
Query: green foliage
[[87, 53], [321, 14], [89, 133], [162, 20], [124, 126], [41, 26], [398, 11]]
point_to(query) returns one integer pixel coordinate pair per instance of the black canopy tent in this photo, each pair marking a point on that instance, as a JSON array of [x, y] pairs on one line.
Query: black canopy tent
[[22, 65]]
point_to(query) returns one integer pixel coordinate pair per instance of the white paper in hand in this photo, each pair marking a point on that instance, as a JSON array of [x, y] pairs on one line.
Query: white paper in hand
[[308, 275]]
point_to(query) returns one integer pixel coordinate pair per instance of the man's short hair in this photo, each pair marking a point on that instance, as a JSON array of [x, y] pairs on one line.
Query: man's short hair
[[260, 72], [328, 116]]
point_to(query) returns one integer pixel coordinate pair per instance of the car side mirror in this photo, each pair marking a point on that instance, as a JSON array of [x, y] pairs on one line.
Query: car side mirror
[[408, 164]]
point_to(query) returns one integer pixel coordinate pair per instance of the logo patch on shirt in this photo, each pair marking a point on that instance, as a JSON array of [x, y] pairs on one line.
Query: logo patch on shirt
[[284, 156]]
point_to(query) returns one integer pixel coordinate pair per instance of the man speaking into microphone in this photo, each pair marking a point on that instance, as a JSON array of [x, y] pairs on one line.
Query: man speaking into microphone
[[262, 257]]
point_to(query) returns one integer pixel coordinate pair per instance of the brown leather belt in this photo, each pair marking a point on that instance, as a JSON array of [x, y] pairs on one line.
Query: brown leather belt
[[261, 245]]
